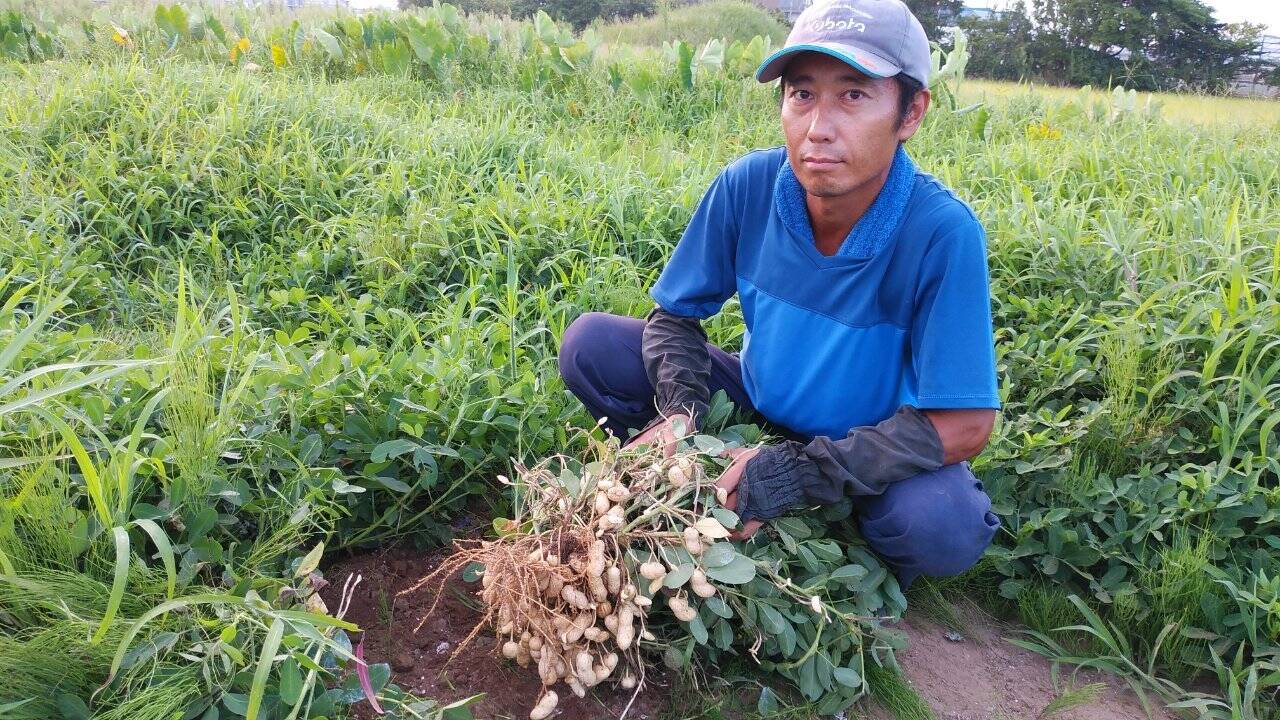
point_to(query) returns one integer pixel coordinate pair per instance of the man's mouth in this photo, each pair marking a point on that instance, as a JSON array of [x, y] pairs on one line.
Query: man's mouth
[[818, 161]]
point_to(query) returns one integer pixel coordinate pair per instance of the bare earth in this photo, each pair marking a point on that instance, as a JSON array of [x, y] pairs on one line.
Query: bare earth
[[985, 677], [979, 677]]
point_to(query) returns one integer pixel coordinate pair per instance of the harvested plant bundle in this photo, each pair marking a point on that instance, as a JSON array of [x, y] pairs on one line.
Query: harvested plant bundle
[[575, 584]]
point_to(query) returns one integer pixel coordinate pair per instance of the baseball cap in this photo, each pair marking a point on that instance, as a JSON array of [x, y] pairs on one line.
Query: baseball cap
[[879, 38]]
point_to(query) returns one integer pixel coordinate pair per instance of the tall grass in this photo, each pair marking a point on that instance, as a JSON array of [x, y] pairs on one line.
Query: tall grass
[[696, 24]]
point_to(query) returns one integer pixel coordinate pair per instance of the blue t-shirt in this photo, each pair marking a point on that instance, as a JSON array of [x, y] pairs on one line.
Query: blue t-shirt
[[837, 342]]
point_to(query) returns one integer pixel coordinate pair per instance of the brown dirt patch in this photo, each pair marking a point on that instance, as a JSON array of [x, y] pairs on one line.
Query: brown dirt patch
[[985, 677], [980, 677], [420, 661]]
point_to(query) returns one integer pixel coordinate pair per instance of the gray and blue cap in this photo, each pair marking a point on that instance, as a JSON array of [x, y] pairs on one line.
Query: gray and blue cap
[[879, 38]]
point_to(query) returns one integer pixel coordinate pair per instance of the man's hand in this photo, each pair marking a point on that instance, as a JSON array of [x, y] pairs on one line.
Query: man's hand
[[729, 481], [664, 434]]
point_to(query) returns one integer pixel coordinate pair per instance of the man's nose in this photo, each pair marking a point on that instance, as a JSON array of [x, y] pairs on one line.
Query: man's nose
[[821, 129]]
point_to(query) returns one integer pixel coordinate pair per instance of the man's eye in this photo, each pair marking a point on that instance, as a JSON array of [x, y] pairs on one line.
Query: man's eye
[[855, 94]]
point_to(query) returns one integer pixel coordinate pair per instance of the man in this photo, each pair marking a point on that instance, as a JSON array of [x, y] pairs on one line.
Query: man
[[864, 291]]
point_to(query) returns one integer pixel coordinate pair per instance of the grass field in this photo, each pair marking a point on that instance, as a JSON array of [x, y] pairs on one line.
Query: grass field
[[271, 292], [1200, 109]]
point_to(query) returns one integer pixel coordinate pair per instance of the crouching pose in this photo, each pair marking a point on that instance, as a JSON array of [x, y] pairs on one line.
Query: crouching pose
[[864, 291]]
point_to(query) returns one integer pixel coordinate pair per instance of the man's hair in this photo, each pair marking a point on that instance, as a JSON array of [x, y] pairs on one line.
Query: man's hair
[[908, 88]]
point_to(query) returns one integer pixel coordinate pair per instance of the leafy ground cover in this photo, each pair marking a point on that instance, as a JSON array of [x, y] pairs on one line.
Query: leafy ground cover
[[270, 284]]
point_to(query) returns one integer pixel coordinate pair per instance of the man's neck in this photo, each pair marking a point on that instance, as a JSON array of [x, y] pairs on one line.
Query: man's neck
[[832, 218]]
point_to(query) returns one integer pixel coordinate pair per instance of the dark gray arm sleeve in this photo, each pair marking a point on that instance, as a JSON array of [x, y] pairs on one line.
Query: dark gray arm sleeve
[[864, 462], [677, 362]]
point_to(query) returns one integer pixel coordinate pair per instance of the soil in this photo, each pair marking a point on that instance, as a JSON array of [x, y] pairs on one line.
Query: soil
[[420, 661], [973, 675], [977, 674]]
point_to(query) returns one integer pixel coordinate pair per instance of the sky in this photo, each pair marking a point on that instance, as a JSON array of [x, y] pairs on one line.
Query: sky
[[1266, 12]]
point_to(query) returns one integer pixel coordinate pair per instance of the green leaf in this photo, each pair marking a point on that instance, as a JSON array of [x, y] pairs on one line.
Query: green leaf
[[684, 64], [147, 511], [71, 707], [392, 484], [738, 572], [847, 677], [793, 526], [379, 676], [679, 576], [768, 702], [718, 555], [708, 444], [310, 561], [165, 550], [392, 449], [329, 43], [460, 710], [698, 630], [290, 682], [771, 621], [236, 703], [120, 578], [266, 659], [727, 517], [201, 523], [718, 607], [848, 573]]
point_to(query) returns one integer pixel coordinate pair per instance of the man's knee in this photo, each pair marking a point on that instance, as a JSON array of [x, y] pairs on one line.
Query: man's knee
[[935, 524], [579, 345]]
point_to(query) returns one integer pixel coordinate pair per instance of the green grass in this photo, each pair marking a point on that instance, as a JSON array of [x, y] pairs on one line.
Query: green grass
[[1188, 108], [696, 24], [343, 281]]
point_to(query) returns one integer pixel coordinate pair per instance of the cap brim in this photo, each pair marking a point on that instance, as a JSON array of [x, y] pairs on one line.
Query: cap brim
[[861, 60]]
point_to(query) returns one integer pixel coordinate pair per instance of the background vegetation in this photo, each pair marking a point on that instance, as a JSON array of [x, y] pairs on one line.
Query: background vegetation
[[270, 281]]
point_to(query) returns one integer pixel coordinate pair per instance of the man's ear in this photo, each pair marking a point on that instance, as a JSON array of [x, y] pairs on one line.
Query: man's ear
[[915, 115]]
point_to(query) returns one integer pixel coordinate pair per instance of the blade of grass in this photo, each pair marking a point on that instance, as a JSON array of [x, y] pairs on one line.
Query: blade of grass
[[121, 577], [161, 540], [263, 671]]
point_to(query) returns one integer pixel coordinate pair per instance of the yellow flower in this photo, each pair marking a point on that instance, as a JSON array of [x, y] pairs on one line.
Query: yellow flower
[[119, 35], [240, 48], [1043, 131]]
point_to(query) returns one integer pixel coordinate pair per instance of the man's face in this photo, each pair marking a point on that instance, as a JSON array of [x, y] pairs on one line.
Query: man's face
[[841, 126]]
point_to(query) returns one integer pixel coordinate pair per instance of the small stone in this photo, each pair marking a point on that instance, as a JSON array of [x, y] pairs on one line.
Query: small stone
[[402, 661], [442, 648], [953, 636]]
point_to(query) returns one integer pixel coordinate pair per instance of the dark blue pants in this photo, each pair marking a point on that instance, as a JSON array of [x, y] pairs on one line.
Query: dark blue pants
[[935, 523]]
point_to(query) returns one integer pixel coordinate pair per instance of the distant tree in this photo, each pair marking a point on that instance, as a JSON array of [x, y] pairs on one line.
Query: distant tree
[[936, 14], [1146, 44], [1001, 43]]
